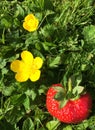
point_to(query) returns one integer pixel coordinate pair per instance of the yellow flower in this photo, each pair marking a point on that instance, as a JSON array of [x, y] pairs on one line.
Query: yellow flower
[[27, 68], [30, 23]]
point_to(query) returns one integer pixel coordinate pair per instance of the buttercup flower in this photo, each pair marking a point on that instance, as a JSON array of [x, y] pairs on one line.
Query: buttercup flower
[[27, 68], [30, 23]]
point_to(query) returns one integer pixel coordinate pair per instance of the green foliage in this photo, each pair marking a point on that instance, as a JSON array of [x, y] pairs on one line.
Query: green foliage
[[52, 125], [28, 124], [65, 39], [89, 34], [68, 128]]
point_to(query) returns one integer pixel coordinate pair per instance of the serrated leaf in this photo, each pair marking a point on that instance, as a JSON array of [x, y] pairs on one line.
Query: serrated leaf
[[55, 61], [52, 125], [28, 124], [47, 31]]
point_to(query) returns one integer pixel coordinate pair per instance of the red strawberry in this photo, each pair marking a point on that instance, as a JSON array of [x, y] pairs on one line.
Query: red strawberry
[[74, 111]]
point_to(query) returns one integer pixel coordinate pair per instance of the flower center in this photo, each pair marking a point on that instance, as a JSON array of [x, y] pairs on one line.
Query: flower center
[[32, 69]]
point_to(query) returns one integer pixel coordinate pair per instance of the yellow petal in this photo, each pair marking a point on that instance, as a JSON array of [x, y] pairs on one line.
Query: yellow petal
[[35, 76], [22, 76], [17, 66], [38, 62], [26, 26], [29, 16], [27, 57]]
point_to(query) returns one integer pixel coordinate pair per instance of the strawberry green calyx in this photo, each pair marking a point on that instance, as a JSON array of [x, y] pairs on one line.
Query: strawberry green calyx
[[60, 95], [74, 93], [64, 95], [69, 85]]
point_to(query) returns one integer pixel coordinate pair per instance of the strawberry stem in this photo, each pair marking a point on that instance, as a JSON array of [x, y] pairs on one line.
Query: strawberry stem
[[69, 85]]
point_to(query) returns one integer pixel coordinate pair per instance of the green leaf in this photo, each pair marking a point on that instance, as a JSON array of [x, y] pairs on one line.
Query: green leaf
[[13, 116], [4, 71], [5, 23], [27, 103], [49, 12], [17, 128], [17, 99], [54, 62], [89, 33], [47, 45], [2, 63], [1, 114], [85, 123], [52, 125], [41, 3], [68, 128], [8, 90], [28, 124], [47, 31], [42, 89], [19, 11], [31, 93]]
